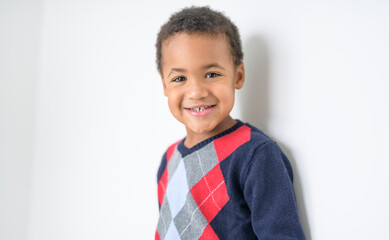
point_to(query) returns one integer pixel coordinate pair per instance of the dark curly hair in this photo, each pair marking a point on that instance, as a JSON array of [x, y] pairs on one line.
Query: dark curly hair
[[200, 20]]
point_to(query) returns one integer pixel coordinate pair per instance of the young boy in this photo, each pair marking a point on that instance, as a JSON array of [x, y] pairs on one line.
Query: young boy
[[226, 179]]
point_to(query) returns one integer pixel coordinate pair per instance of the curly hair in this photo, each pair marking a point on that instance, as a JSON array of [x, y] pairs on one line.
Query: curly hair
[[200, 20]]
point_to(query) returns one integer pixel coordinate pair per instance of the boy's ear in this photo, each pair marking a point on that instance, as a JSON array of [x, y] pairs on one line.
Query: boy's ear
[[163, 85], [239, 76]]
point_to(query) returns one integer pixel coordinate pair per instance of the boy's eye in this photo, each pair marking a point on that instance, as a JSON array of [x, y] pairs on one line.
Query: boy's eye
[[179, 79], [212, 75]]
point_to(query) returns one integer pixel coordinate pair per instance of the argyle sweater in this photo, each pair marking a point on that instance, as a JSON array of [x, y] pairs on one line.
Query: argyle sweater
[[235, 185]]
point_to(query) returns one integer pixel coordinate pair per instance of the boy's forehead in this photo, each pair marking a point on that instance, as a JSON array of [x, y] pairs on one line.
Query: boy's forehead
[[196, 48], [194, 35]]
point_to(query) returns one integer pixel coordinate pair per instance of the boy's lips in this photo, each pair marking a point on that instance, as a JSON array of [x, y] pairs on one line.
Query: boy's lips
[[200, 110]]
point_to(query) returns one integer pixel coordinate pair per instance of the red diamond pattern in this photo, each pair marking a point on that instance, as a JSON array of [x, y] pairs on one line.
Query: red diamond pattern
[[210, 193]]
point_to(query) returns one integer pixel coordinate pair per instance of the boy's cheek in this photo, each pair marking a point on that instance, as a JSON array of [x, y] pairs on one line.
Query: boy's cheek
[[173, 99]]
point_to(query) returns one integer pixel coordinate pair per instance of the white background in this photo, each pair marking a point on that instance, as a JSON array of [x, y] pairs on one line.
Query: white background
[[84, 123]]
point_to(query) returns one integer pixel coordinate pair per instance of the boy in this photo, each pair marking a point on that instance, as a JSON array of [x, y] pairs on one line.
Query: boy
[[226, 179]]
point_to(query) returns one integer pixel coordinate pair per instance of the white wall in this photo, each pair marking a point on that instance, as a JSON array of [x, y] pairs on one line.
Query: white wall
[[19, 52], [95, 121]]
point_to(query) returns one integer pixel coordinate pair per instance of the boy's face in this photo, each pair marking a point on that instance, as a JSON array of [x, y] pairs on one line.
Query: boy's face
[[199, 78]]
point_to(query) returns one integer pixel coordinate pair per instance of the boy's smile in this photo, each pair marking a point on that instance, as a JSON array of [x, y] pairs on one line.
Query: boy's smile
[[199, 78]]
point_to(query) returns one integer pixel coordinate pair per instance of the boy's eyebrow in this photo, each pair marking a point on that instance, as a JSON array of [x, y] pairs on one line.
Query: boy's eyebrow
[[212, 65], [175, 70], [215, 65]]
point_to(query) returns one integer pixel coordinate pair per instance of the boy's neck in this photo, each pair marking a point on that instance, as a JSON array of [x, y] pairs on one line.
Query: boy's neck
[[194, 138]]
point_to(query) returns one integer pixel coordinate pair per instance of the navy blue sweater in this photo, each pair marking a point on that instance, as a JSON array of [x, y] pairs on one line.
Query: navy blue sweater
[[235, 185]]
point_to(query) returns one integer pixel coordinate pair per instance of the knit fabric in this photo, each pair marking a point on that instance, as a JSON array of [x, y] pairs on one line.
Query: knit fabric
[[235, 185]]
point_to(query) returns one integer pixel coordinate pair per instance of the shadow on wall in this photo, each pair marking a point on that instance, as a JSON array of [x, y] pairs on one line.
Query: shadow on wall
[[255, 108]]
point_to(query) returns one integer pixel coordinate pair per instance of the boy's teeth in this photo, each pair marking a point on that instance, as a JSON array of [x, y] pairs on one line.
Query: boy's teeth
[[199, 109]]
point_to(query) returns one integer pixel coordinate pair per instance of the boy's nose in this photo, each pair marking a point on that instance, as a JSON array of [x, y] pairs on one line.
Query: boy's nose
[[197, 90]]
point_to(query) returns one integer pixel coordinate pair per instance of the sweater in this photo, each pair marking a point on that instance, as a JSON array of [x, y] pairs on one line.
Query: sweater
[[237, 184]]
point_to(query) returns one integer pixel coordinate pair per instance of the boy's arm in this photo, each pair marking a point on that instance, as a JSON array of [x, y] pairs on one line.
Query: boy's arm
[[269, 193]]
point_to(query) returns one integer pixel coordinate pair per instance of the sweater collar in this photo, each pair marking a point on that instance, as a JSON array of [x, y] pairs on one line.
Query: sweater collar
[[185, 151]]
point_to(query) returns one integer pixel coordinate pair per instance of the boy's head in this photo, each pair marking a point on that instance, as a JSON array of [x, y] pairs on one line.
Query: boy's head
[[199, 58], [200, 20]]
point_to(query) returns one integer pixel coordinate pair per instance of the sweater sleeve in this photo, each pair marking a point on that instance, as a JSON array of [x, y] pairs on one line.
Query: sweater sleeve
[[268, 191]]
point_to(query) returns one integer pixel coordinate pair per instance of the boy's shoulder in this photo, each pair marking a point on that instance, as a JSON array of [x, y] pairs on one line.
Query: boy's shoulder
[[258, 143], [258, 137]]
